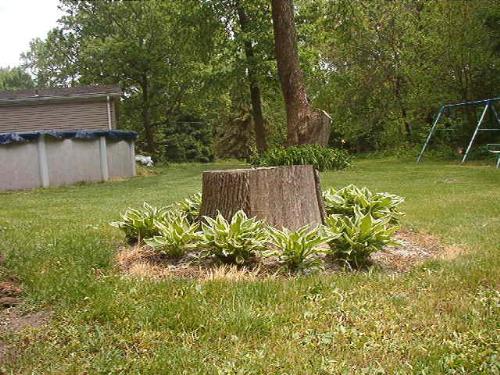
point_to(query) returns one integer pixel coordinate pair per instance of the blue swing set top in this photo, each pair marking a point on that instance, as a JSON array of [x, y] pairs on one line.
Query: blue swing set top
[[488, 104]]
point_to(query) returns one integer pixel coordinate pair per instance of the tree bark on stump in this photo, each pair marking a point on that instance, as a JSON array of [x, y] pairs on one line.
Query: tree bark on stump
[[288, 197]]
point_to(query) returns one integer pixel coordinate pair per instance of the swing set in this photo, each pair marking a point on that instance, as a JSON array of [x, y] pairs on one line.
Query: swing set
[[447, 109]]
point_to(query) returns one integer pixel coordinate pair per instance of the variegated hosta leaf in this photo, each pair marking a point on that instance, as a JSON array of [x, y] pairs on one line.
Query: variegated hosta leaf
[[176, 236], [236, 240], [298, 249], [355, 238], [139, 224], [190, 206], [380, 205]]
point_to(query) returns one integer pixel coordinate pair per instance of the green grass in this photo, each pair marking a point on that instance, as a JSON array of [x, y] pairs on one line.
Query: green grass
[[440, 318]]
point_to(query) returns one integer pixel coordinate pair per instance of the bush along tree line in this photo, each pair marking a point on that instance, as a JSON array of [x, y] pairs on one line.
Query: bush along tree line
[[358, 223], [380, 69]]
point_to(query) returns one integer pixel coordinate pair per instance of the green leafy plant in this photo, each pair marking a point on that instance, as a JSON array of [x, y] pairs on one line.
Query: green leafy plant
[[298, 249], [380, 205], [190, 206], [354, 239], [138, 224], [176, 235], [235, 241], [322, 158], [188, 139]]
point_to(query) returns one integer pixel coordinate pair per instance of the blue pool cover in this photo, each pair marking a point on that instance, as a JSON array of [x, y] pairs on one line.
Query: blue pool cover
[[117, 135]]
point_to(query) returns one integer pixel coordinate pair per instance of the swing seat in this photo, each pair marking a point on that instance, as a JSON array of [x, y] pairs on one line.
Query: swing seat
[[494, 148]]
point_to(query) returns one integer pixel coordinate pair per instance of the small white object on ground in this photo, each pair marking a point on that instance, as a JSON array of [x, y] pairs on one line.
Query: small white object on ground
[[144, 160]]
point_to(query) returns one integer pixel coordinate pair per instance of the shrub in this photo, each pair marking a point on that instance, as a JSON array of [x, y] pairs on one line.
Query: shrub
[[345, 201], [298, 249], [354, 239], [190, 206], [322, 158], [236, 241], [176, 235], [188, 139], [138, 224]]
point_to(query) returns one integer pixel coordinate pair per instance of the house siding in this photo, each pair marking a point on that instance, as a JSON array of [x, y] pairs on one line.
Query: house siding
[[63, 115]]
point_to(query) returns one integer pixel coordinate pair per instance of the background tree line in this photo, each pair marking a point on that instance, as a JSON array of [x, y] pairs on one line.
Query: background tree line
[[200, 76]]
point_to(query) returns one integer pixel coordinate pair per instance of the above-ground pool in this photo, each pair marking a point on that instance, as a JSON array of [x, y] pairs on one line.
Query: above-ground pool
[[54, 158]]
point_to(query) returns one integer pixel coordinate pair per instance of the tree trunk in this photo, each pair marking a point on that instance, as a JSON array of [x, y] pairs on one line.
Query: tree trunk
[[255, 96], [404, 114], [304, 125], [146, 117], [287, 197]]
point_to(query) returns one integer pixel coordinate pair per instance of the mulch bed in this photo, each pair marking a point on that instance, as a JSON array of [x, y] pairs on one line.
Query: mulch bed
[[143, 262]]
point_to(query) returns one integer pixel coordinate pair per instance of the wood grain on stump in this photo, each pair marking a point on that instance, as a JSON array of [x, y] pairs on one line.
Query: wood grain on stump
[[287, 197]]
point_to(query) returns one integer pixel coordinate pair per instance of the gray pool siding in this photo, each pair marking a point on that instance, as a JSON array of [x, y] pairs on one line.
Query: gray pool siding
[[53, 162]]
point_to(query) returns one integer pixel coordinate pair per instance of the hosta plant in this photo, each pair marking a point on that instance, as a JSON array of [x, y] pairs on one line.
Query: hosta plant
[[298, 249], [176, 235], [383, 206], [354, 239], [190, 206], [235, 241], [138, 224]]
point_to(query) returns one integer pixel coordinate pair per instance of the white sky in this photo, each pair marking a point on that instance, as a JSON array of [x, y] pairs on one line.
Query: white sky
[[20, 22]]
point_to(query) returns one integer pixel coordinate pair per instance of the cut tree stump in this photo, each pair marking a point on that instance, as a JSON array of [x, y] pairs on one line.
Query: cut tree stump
[[288, 197]]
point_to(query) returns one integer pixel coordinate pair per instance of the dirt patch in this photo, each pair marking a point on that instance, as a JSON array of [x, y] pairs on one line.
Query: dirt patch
[[10, 292], [10, 288], [13, 321], [12, 317], [142, 262], [415, 249]]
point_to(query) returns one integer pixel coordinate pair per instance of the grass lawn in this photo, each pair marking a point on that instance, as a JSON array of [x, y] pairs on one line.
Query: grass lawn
[[440, 318]]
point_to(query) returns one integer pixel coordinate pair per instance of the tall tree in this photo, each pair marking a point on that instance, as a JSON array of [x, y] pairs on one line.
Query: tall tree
[[15, 78], [255, 93], [247, 49], [155, 50], [304, 124]]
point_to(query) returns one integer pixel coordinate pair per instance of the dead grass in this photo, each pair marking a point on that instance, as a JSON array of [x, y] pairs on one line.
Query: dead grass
[[143, 263], [415, 249]]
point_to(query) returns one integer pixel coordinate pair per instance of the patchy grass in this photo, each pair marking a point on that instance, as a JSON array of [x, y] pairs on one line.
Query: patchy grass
[[442, 317]]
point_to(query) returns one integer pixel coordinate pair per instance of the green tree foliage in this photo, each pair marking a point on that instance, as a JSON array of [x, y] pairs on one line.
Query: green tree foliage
[[379, 68], [382, 68], [239, 70], [15, 79], [155, 50], [188, 139]]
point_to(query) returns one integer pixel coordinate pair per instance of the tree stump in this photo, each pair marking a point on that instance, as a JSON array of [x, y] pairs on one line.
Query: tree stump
[[288, 197]]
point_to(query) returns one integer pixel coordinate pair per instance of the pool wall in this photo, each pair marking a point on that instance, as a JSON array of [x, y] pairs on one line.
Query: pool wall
[[46, 160]]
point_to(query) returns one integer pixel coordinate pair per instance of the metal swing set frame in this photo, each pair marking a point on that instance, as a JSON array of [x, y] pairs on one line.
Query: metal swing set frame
[[488, 104]]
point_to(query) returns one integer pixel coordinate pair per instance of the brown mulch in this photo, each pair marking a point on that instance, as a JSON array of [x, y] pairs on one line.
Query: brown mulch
[[142, 262]]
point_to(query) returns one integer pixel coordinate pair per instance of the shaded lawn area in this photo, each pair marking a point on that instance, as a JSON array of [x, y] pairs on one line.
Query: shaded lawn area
[[441, 317]]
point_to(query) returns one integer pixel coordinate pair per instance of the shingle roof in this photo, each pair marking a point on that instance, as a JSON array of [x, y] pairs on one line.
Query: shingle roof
[[66, 92]]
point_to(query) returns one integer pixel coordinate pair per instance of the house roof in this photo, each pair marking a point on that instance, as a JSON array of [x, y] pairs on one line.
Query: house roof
[[66, 93]]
